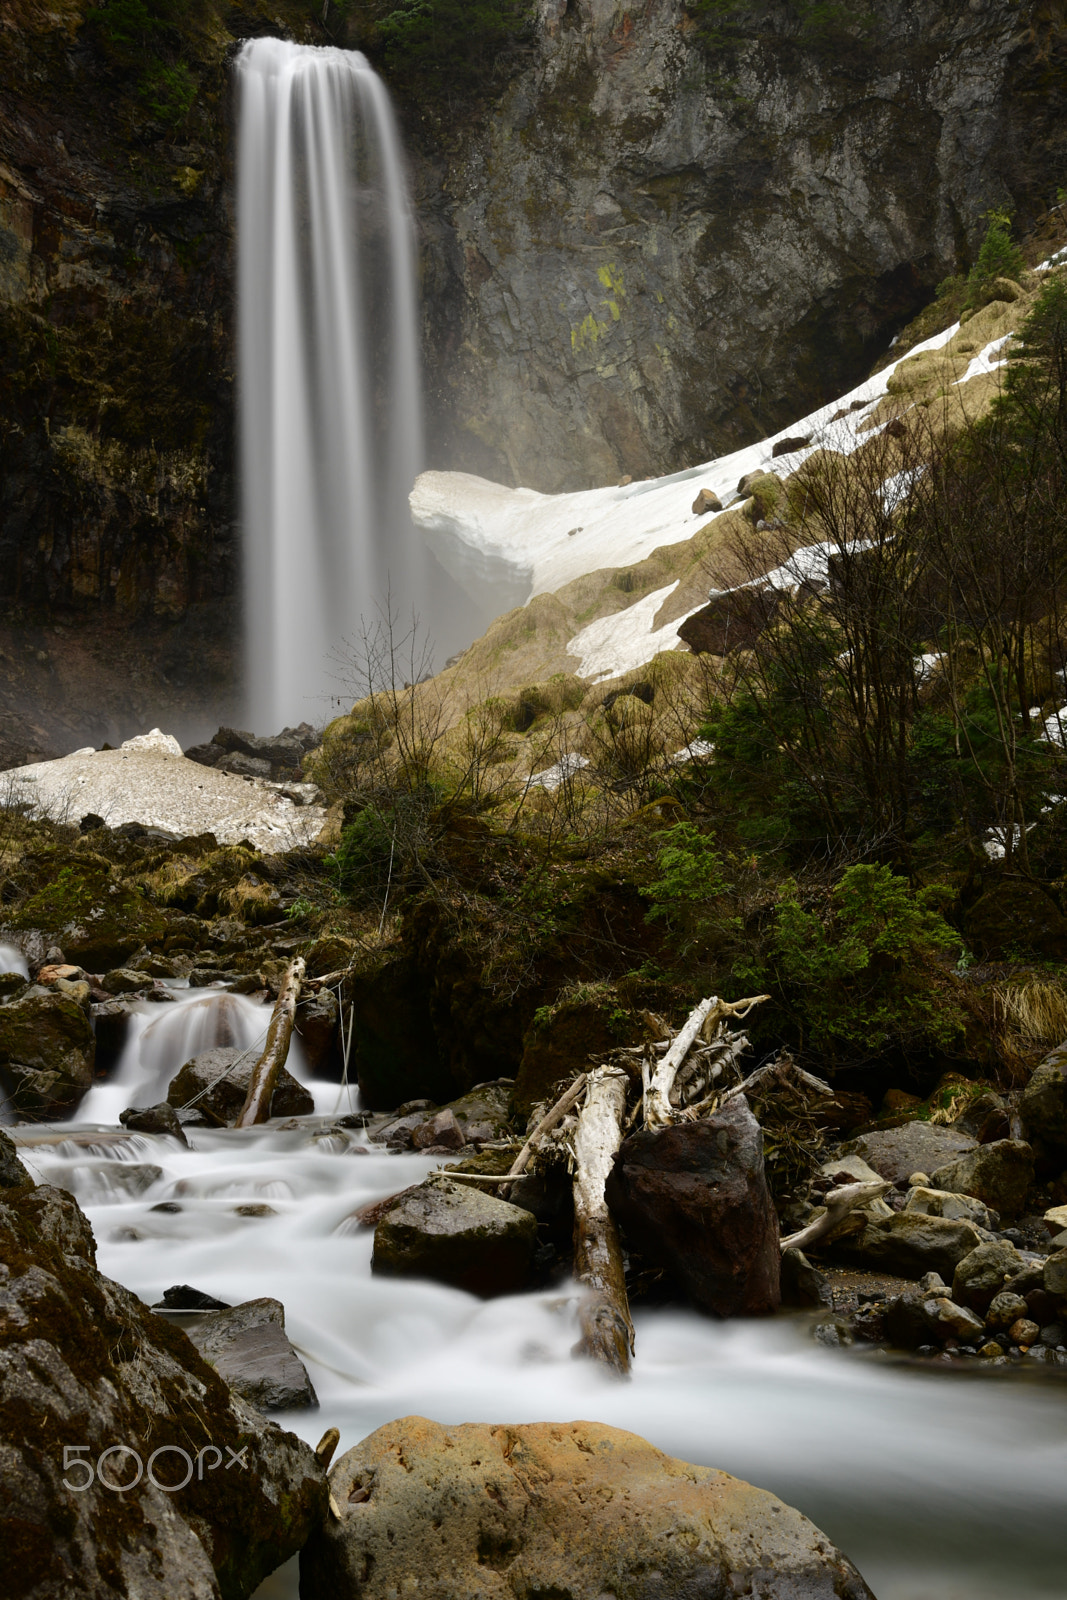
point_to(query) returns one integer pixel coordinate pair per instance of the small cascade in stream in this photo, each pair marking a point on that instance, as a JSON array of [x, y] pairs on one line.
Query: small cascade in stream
[[329, 385], [160, 1040]]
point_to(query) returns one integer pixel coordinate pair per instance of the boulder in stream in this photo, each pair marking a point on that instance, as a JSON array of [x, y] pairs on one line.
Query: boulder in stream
[[983, 1273], [694, 1199], [895, 1153], [574, 1510], [453, 1232], [998, 1174], [912, 1244], [226, 1074], [47, 1052], [1043, 1104], [92, 1384], [247, 1345]]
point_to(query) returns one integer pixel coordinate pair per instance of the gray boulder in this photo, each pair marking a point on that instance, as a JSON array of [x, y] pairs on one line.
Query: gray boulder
[[956, 1207], [47, 1051], [999, 1174], [1054, 1275], [912, 1244], [895, 1153], [456, 1234], [161, 1118], [85, 1363], [1043, 1103], [247, 1345], [575, 1510], [226, 1074], [983, 1273]]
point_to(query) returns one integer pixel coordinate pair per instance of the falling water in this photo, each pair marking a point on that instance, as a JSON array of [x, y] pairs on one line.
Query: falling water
[[329, 390]]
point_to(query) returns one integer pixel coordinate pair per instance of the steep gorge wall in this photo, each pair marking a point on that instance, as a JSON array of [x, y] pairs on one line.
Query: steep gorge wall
[[118, 554], [662, 248], [636, 252]]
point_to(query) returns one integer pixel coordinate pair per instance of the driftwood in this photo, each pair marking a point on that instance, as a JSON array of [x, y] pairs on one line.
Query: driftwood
[[839, 1202], [707, 1021], [607, 1331], [546, 1124], [279, 1034]]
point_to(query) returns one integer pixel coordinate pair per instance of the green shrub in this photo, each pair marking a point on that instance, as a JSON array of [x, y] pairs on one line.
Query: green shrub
[[998, 257], [168, 92], [450, 44], [857, 975]]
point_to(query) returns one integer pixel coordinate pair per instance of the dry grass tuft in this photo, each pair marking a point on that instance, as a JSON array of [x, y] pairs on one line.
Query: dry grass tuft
[[1036, 1012]]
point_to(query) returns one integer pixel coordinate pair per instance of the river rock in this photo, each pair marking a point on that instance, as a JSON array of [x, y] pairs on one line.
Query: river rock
[[1006, 1308], [47, 1051], [86, 1364], [983, 1273], [998, 1174], [1054, 1275], [124, 980], [802, 1284], [316, 1022], [484, 1112], [572, 1511], [226, 1090], [930, 1202], [895, 1153], [945, 1319], [454, 1233], [161, 1118], [694, 1199], [1043, 1103], [441, 1132], [247, 1345], [911, 1243]]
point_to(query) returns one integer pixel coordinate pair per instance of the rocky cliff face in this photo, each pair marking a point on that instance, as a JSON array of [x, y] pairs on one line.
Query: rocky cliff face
[[666, 243], [118, 560], [649, 245]]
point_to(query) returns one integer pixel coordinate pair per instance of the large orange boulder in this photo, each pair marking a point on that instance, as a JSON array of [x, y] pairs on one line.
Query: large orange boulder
[[575, 1510]]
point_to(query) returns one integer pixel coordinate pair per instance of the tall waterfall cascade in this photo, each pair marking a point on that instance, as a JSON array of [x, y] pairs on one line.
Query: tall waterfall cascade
[[328, 369]]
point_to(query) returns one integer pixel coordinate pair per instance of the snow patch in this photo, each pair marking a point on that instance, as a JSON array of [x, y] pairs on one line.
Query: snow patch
[[616, 644]]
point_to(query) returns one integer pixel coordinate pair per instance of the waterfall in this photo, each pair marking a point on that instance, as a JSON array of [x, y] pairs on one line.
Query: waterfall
[[328, 368]]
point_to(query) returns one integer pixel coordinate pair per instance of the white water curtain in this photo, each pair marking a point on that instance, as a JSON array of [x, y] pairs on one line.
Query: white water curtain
[[328, 368]]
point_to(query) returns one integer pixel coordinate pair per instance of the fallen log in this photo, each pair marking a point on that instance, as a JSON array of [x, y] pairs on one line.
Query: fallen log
[[607, 1331], [279, 1034], [705, 1020], [839, 1202]]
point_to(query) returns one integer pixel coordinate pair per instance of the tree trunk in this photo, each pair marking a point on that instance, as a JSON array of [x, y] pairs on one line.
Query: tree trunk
[[607, 1331], [265, 1072]]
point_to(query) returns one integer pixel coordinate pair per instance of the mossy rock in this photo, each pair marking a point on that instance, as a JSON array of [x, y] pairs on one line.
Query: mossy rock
[[561, 1040], [97, 919], [455, 1234], [1016, 918], [331, 952], [253, 900], [47, 1052], [201, 885]]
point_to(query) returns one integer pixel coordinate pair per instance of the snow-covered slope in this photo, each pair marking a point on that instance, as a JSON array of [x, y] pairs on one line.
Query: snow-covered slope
[[540, 542]]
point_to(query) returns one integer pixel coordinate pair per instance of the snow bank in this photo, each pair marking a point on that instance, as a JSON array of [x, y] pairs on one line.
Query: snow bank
[[148, 780]]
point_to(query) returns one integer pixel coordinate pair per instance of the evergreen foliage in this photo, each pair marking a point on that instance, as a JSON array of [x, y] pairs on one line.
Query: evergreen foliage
[[450, 45]]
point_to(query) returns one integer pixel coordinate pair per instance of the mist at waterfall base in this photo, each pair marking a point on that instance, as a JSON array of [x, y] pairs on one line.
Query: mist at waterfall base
[[329, 386], [946, 1485]]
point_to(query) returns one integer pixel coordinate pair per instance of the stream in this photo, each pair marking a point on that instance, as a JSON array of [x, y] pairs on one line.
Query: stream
[[940, 1485]]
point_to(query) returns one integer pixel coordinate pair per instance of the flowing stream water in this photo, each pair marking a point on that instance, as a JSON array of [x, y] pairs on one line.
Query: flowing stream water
[[329, 385], [940, 1485]]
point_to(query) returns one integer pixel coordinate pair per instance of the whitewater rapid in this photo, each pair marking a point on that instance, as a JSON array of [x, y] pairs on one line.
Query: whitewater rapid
[[939, 1485]]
